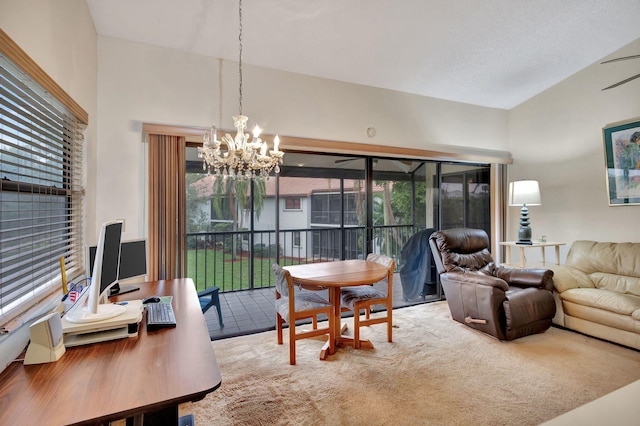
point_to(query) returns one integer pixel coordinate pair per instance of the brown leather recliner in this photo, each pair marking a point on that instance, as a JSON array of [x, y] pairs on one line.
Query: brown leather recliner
[[506, 303]]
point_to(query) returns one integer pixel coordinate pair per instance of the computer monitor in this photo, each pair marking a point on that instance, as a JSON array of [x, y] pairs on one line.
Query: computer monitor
[[133, 264], [104, 276]]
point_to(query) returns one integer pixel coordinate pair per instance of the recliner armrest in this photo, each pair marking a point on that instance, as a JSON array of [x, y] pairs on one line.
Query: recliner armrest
[[477, 279], [541, 278], [528, 311]]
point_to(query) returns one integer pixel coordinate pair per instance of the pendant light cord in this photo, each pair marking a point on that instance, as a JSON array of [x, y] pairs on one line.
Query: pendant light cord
[[240, 54]]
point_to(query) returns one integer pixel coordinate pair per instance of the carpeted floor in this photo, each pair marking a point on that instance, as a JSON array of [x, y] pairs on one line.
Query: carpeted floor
[[435, 372]]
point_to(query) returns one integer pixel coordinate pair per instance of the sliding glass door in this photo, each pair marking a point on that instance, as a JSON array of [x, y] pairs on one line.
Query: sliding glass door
[[465, 197], [323, 207]]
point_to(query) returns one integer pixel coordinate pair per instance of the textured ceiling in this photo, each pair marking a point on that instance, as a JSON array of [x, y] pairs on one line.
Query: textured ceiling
[[495, 53]]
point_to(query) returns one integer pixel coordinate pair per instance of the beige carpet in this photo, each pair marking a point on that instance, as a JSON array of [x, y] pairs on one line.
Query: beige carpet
[[435, 372]]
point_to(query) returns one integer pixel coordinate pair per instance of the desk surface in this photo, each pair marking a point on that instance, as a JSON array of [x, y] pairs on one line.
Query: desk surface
[[107, 381]]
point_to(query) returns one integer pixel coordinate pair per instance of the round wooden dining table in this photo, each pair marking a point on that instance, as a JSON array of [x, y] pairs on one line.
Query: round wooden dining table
[[333, 276]]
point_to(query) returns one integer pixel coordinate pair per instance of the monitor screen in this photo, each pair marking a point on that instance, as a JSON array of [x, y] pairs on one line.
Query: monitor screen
[[103, 277], [133, 259], [110, 258]]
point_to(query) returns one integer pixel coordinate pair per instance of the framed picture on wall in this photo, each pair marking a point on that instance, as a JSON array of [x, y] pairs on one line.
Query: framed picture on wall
[[622, 158]]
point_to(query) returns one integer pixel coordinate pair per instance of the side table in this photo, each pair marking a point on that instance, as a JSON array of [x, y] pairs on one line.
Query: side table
[[541, 245]]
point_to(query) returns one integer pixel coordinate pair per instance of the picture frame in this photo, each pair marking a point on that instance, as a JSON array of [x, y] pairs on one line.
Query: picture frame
[[622, 162]]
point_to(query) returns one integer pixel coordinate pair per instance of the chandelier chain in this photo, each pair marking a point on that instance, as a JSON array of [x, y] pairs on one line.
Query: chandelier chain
[[240, 54], [240, 157]]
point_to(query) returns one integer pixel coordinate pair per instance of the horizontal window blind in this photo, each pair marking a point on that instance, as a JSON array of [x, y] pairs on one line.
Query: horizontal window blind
[[41, 191]]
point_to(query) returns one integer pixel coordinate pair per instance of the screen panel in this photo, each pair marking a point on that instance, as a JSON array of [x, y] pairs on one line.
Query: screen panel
[[110, 256], [133, 259]]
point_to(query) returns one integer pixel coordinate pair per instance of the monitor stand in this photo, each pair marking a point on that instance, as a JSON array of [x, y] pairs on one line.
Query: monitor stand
[[121, 326], [81, 315], [122, 289]]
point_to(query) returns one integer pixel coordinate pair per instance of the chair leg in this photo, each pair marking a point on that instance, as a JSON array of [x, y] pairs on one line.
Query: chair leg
[[389, 323], [292, 342], [279, 322], [216, 301]]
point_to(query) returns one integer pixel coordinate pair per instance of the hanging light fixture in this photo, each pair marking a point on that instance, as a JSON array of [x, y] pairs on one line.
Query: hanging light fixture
[[242, 158]]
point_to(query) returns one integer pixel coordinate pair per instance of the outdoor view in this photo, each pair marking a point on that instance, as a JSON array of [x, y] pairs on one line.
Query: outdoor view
[[321, 208]]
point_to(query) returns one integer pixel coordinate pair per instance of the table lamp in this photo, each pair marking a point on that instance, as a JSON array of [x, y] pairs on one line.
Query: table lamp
[[524, 193]]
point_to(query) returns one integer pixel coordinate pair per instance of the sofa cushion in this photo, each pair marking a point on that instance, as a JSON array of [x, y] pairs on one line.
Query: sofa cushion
[[608, 300], [615, 282], [613, 258], [599, 318]]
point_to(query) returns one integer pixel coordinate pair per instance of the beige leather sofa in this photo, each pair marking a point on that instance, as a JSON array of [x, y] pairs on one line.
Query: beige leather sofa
[[597, 291]]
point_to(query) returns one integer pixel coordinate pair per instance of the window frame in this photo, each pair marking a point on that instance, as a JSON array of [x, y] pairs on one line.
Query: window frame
[[297, 203], [30, 127]]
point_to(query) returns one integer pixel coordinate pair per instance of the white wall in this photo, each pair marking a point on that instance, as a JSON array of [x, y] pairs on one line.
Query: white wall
[[139, 83], [556, 138]]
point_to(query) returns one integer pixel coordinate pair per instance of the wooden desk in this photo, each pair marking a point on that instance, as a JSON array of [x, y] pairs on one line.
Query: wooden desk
[[334, 276], [107, 381], [541, 245]]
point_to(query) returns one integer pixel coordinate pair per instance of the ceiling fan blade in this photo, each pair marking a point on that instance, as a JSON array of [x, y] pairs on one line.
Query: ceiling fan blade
[[405, 166], [344, 160], [624, 58], [626, 80], [348, 160]]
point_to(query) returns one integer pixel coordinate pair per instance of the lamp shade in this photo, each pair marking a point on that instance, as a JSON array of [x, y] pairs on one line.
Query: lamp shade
[[524, 192]]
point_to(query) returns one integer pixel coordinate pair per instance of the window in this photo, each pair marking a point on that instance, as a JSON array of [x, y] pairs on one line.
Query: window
[[292, 203], [296, 239], [326, 208], [41, 194]]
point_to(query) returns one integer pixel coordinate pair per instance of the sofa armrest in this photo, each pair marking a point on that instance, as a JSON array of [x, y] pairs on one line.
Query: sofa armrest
[[540, 278], [567, 277], [475, 279]]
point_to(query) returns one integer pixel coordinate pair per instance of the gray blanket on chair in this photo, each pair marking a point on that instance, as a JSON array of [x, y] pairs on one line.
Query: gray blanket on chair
[[416, 264]]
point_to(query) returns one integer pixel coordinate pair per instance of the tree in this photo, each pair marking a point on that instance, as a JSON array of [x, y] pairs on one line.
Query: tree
[[237, 191], [402, 200], [197, 218]]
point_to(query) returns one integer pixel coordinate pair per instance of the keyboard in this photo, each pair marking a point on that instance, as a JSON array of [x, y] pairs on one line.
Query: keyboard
[[160, 315]]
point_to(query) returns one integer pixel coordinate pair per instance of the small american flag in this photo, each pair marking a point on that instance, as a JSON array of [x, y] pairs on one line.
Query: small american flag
[[73, 296]]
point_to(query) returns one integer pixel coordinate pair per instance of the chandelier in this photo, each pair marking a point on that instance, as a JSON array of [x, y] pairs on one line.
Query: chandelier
[[240, 158]]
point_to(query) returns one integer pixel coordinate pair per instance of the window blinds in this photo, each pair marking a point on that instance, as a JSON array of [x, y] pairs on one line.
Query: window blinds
[[41, 190]]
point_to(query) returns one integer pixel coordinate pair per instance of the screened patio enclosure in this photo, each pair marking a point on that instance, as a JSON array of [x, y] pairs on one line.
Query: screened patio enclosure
[[323, 207]]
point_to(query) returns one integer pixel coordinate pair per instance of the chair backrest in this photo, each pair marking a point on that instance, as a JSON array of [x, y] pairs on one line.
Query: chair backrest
[[386, 261], [381, 259], [282, 277], [460, 249]]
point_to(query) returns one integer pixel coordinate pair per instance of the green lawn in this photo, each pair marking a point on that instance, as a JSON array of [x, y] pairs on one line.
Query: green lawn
[[209, 267]]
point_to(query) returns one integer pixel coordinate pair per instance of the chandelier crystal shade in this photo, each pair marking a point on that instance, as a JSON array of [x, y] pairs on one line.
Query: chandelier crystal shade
[[240, 157]]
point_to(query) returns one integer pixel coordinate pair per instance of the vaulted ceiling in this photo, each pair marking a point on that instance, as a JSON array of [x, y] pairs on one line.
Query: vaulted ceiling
[[495, 53]]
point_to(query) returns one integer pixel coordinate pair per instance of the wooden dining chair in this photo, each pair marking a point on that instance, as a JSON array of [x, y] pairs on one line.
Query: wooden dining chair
[[293, 304], [363, 297]]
